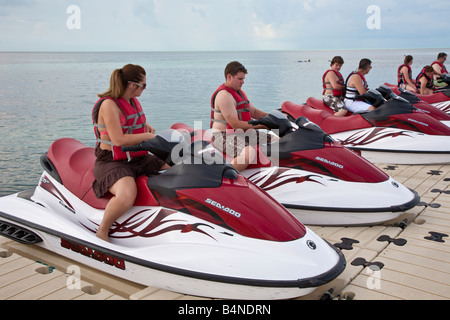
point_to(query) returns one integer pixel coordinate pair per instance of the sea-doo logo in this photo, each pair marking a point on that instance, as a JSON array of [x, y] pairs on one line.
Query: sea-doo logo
[[44, 180], [340, 166], [94, 254], [226, 209]]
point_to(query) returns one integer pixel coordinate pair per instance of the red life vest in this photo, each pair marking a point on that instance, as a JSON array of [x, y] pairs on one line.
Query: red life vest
[[336, 92], [132, 120], [443, 68], [430, 82], [242, 108], [400, 78]]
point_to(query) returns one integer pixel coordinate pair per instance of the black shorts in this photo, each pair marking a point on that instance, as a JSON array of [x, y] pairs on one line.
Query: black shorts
[[107, 171]]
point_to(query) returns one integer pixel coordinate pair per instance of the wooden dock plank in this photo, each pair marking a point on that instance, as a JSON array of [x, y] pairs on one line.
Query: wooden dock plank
[[417, 270], [404, 287]]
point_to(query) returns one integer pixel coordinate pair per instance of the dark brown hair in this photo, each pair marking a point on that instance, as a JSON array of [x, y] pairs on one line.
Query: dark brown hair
[[120, 78], [338, 60], [441, 55], [364, 64], [428, 69], [408, 59], [234, 68]]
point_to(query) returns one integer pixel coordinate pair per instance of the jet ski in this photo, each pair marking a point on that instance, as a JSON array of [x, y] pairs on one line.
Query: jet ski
[[197, 229], [439, 99], [317, 179], [421, 105], [396, 132]]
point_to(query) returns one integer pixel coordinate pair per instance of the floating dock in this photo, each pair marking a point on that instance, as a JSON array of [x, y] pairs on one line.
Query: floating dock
[[405, 259]]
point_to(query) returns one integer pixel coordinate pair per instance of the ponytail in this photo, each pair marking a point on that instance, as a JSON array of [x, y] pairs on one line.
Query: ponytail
[[120, 78]]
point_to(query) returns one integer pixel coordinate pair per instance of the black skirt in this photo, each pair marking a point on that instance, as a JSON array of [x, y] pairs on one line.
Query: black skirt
[[107, 171]]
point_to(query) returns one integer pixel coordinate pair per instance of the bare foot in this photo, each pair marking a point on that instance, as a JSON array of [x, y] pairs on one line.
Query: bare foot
[[102, 236]]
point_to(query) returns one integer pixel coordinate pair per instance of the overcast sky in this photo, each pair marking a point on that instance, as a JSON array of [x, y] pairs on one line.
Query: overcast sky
[[218, 25]]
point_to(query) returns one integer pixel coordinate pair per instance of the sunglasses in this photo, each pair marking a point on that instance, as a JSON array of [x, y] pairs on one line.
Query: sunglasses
[[142, 86]]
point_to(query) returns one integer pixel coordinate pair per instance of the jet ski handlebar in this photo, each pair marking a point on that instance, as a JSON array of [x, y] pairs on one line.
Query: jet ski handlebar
[[275, 120], [373, 97], [445, 78], [161, 145]]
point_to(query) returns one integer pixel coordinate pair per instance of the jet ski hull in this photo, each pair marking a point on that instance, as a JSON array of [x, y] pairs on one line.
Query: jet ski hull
[[396, 146], [324, 183], [322, 200], [172, 250], [440, 100], [401, 138]]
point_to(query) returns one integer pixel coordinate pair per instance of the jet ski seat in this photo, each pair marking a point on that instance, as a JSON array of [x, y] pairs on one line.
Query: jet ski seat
[[71, 163], [325, 119]]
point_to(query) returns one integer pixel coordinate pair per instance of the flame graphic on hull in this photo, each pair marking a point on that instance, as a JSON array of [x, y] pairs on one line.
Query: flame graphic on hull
[[143, 224], [361, 138], [444, 106], [279, 177]]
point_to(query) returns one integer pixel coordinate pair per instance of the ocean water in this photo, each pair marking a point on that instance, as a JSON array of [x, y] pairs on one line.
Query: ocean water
[[47, 96]]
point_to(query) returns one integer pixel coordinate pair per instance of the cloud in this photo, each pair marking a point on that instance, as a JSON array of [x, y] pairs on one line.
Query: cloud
[[149, 25]]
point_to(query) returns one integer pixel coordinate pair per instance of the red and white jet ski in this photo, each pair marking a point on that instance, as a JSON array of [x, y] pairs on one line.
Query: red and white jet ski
[[439, 99], [387, 92], [320, 181], [396, 132], [196, 229]]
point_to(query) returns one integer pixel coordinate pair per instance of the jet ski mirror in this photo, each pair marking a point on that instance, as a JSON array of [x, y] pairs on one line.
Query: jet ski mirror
[[163, 145], [275, 120], [374, 98], [445, 78], [304, 122], [386, 92]]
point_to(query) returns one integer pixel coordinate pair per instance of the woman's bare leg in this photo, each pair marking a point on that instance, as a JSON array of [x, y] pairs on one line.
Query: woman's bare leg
[[125, 193]]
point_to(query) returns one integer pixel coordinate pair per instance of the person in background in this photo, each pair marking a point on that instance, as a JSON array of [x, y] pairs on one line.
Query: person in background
[[334, 87], [404, 75], [355, 86], [231, 111], [424, 81], [120, 121], [439, 69]]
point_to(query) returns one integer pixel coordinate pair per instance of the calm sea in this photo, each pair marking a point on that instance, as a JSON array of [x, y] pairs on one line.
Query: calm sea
[[47, 96]]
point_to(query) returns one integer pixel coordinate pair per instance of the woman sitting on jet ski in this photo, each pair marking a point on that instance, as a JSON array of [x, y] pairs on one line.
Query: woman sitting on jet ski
[[424, 81], [120, 121]]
